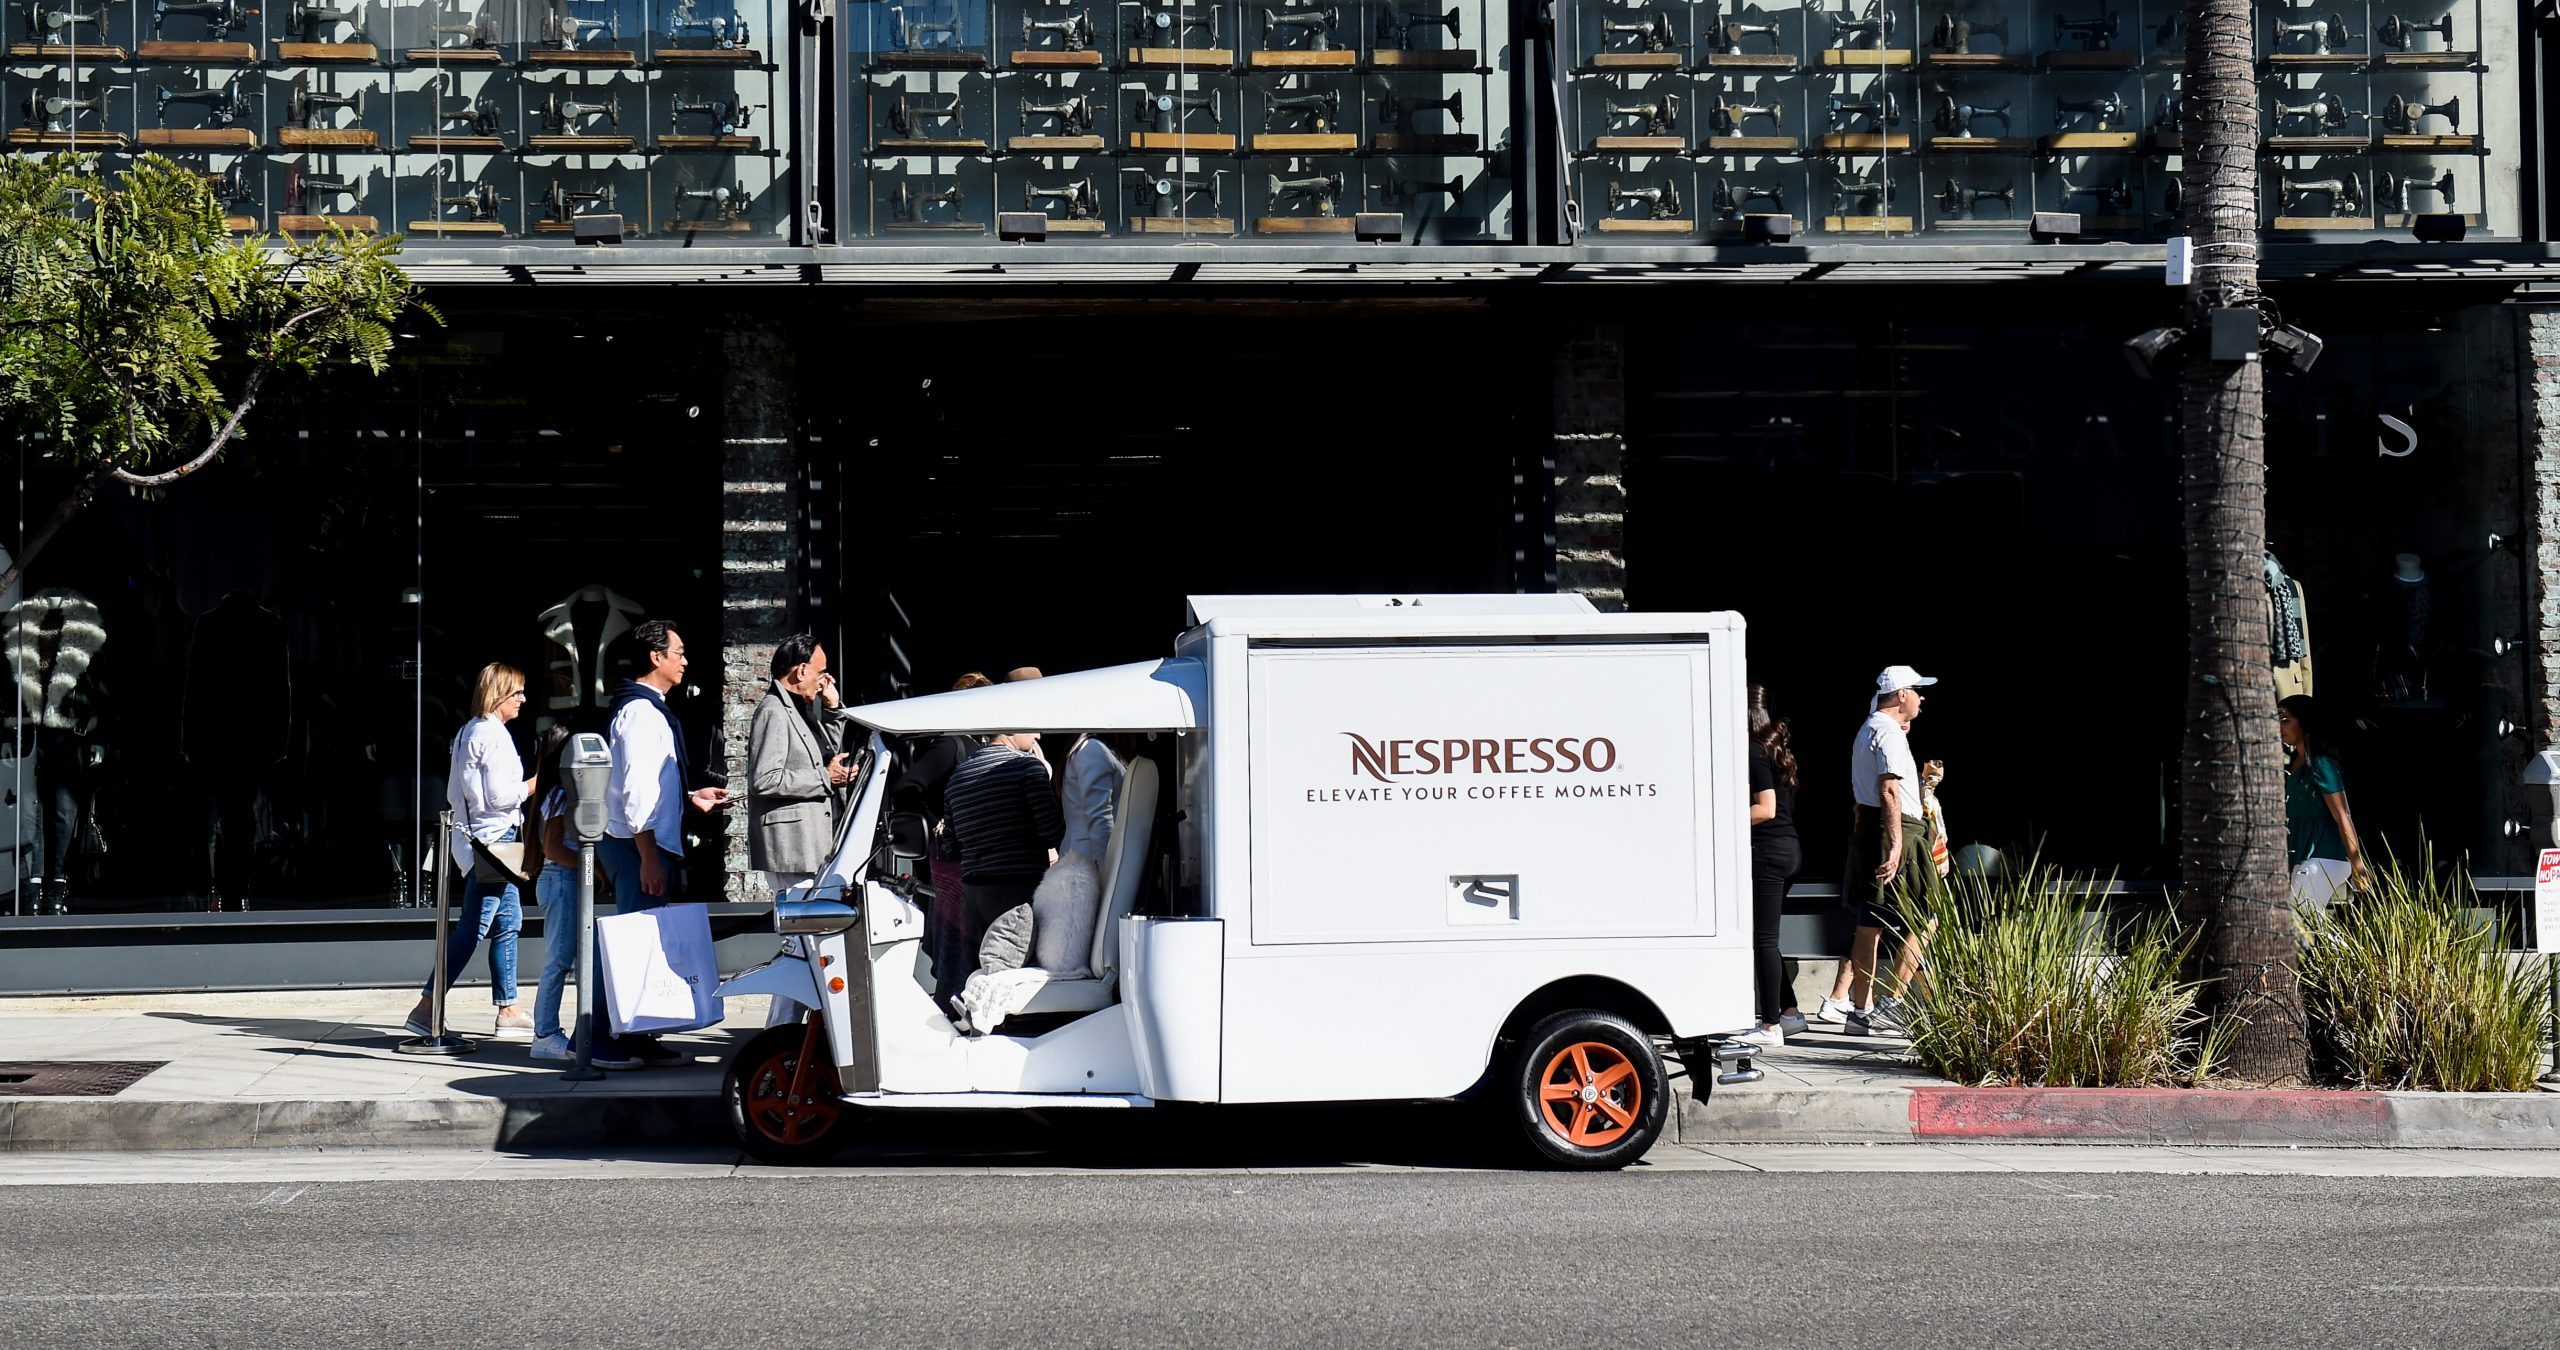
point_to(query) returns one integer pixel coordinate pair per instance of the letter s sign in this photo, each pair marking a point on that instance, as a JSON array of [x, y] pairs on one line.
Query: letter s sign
[[2408, 438]]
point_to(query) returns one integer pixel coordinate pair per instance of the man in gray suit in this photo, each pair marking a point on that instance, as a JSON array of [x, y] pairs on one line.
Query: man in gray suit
[[793, 775]]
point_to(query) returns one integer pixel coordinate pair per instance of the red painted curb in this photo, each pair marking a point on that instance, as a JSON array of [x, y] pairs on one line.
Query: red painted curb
[[2175, 1115]]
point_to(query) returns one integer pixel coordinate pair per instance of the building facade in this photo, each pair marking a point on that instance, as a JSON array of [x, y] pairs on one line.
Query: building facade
[[975, 335]]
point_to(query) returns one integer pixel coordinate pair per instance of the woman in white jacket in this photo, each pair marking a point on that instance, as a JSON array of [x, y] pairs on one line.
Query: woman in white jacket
[[486, 788]]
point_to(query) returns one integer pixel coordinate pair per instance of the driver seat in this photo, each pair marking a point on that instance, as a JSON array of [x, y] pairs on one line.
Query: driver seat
[[1124, 865]]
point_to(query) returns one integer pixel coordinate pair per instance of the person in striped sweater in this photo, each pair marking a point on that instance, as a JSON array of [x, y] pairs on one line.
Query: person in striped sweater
[[1008, 825]]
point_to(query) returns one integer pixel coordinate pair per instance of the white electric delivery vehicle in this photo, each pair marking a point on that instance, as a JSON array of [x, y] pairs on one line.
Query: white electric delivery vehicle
[[1370, 849]]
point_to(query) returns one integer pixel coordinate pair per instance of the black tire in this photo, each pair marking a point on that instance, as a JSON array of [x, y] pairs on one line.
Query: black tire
[[1598, 1128], [771, 1124]]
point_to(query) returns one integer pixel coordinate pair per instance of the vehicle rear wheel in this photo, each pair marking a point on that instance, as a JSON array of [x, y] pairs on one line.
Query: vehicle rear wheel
[[1588, 1091], [782, 1095]]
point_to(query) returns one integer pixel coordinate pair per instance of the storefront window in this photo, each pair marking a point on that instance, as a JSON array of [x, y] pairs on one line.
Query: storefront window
[[442, 120], [1190, 119]]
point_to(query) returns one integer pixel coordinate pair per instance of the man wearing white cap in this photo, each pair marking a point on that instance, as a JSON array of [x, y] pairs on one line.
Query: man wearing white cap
[[1889, 842]]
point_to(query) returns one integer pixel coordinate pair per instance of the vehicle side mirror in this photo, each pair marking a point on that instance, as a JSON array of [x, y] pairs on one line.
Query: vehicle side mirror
[[909, 836]]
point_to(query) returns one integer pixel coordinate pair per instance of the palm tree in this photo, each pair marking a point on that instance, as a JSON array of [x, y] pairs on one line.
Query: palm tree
[[2232, 791]]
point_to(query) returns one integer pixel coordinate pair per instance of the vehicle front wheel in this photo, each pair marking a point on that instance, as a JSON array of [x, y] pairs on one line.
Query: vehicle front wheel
[[782, 1095], [1588, 1091]]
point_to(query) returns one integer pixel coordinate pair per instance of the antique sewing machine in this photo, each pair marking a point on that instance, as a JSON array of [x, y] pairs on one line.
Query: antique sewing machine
[[223, 106]]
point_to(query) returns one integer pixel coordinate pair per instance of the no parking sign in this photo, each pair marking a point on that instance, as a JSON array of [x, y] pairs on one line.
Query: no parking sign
[[2546, 902]]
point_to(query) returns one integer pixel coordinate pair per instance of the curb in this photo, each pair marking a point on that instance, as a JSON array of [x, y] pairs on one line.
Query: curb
[[1880, 1114], [2142, 1116]]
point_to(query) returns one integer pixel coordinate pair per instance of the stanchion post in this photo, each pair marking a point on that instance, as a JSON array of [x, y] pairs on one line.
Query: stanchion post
[[590, 765], [436, 1041]]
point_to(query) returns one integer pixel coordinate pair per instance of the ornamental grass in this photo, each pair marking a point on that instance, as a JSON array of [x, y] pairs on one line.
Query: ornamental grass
[[2408, 986], [2025, 985]]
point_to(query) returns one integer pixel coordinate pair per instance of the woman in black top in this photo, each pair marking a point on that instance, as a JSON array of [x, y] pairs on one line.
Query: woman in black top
[[1775, 855]]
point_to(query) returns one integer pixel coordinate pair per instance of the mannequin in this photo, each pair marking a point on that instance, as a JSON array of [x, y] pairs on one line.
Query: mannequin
[[54, 636], [233, 732], [580, 665], [2405, 626]]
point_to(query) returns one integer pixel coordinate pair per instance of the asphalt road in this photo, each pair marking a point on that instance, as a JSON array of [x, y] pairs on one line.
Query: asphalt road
[[1327, 1258]]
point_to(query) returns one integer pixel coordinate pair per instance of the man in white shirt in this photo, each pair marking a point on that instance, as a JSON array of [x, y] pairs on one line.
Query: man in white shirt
[[1888, 842], [643, 845]]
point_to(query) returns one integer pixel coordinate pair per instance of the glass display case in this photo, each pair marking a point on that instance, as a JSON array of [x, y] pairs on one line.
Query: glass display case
[[1204, 118], [1891, 118], [442, 120]]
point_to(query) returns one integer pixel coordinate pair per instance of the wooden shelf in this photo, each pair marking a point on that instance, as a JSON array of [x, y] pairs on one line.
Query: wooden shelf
[[466, 58], [1779, 62], [1612, 225], [28, 139], [484, 229], [1184, 142], [1305, 143], [456, 145], [2081, 142], [675, 143], [951, 58], [320, 224], [1051, 145], [708, 227], [1181, 58], [1639, 145], [326, 54], [2428, 60], [2315, 60], [1086, 60], [197, 138], [328, 138], [962, 145], [1182, 225], [569, 227], [2458, 145], [2292, 224], [1456, 59], [934, 227], [1864, 58], [580, 58], [1608, 62], [1980, 145], [82, 52], [203, 53], [1867, 224], [1866, 142], [1973, 61], [1752, 145], [1305, 225], [692, 57], [580, 145], [1342, 60], [2314, 145]]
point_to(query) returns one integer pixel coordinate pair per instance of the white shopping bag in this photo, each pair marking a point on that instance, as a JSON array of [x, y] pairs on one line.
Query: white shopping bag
[[658, 969]]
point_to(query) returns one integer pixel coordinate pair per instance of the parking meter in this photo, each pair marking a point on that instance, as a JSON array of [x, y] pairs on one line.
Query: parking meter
[[590, 766], [589, 762]]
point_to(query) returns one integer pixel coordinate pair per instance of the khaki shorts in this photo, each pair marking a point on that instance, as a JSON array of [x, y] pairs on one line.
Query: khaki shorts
[[1877, 904]]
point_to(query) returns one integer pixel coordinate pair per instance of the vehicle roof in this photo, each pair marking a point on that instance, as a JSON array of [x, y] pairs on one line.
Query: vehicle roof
[[1164, 695], [1439, 618], [1206, 608]]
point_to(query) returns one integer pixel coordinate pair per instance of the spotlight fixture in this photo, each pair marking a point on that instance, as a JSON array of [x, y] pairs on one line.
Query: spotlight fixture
[[1768, 229], [2438, 227], [2508, 726], [2054, 227], [2147, 352], [2297, 347], [2505, 644], [1022, 227]]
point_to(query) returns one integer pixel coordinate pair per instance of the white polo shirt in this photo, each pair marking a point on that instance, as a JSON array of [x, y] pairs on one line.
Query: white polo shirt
[[1883, 747]]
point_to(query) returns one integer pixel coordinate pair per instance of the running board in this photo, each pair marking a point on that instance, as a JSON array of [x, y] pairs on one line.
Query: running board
[[995, 1101]]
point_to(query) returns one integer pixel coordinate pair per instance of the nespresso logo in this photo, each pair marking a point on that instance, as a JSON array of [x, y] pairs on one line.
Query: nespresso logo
[[1387, 761]]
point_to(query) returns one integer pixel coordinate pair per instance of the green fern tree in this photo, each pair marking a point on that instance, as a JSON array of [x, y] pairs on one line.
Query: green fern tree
[[137, 331]]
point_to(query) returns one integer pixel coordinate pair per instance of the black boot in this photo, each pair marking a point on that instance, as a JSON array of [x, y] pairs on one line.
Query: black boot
[[58, 893]]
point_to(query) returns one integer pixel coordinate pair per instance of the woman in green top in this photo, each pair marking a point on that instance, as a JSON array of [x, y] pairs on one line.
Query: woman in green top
[[2319, 833]]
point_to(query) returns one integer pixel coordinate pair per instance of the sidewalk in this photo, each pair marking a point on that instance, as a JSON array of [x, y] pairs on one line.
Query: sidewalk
[[317, 1069]]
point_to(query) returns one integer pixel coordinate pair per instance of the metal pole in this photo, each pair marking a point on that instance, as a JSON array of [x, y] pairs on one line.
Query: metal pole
[[2551, 967], [585, 1070], [437, 1042]]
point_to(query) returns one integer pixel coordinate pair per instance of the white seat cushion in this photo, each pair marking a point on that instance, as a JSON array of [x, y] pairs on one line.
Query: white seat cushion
[[1069, 996]]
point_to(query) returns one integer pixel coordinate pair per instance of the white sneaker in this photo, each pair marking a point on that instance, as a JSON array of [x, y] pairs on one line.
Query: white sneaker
[[1767, 1038], [1791, 1022], [554, 1046], [1834, 1010]]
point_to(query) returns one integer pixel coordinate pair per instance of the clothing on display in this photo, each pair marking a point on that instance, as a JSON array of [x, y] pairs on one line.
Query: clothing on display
[[2289, 613], [587, 652], [2407, 624]]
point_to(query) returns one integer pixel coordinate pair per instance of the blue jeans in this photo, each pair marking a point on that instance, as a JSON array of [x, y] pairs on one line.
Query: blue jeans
[[557, 890], [492, 910], [619, 859]]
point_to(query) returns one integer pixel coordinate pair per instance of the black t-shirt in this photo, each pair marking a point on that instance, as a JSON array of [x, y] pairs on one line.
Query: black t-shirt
[[1764, 778]]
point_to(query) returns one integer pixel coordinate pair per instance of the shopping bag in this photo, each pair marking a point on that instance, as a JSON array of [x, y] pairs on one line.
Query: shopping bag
[[658, 969]]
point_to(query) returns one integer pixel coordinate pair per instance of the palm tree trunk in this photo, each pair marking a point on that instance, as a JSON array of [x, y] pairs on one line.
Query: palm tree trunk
[[2232, 788]]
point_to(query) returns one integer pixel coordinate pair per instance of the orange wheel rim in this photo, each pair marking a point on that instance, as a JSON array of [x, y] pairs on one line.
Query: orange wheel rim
[[786, 1109], [1590, 1094]]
